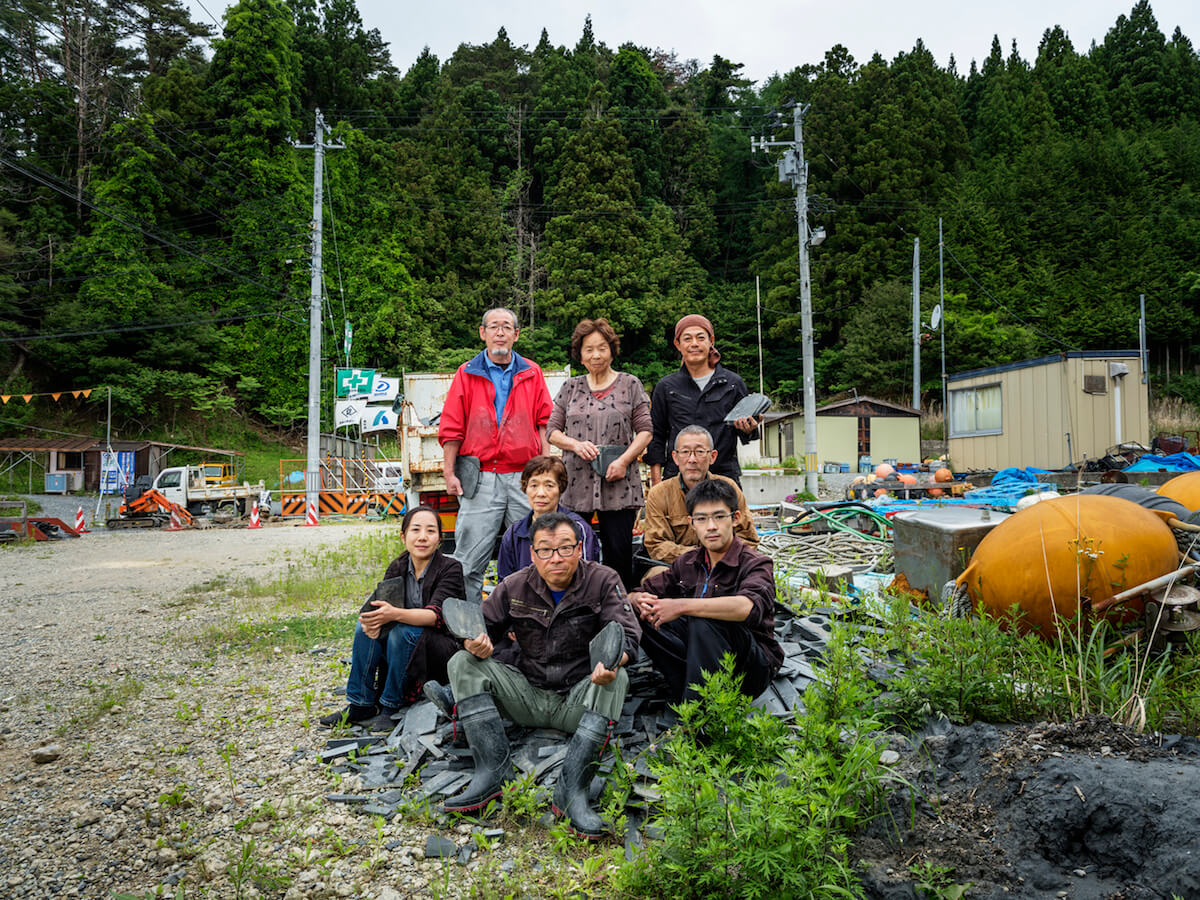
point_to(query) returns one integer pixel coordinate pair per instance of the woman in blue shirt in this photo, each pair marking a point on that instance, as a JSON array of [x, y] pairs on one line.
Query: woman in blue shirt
[[543, 480]]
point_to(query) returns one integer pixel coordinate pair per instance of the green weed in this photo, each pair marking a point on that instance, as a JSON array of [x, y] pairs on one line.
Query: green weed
[[981, 668], [101, 698], [751, 809]]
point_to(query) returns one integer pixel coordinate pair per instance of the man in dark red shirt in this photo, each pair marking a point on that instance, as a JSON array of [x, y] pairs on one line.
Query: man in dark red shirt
[[716, 599], [495, 418]]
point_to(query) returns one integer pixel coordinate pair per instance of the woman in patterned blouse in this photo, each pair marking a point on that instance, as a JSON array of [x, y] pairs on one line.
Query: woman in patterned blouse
[[601, 419]]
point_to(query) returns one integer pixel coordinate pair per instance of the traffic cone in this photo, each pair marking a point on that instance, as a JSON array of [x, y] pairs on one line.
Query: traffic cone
[[310, 517], [80, 523], [174, 526], [254, 523]]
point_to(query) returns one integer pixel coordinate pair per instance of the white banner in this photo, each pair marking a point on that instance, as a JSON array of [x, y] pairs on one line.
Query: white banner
[[385, 387], [378, 418], [348, 412]]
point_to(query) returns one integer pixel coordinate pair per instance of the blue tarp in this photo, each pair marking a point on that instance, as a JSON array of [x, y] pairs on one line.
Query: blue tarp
[[1176, 462], [1004, 496], [1028, 475]]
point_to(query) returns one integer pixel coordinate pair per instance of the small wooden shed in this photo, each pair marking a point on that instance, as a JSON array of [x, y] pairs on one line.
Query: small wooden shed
[[1047, 412], [847, 431]]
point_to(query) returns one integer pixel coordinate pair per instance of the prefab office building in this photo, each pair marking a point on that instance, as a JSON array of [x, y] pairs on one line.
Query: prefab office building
[[1047, 412]]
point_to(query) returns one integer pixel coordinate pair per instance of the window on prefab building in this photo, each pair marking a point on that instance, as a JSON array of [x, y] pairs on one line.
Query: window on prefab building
[[68, 460], [975, 410]]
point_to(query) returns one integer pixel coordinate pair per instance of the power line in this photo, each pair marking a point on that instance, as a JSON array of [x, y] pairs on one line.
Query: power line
[[28, 338], [50, 182], [995, 300]]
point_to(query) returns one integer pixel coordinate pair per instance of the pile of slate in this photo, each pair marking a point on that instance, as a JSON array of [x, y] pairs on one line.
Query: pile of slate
[[423, 744]]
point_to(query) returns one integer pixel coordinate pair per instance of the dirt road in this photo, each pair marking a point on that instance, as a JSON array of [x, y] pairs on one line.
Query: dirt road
[[137, 755]]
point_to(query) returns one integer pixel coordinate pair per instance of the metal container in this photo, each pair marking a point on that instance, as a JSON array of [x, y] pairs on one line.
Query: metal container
[[934, 545]]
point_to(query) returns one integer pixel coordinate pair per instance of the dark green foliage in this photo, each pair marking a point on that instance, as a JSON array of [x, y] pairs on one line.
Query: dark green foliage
[[571, 180]]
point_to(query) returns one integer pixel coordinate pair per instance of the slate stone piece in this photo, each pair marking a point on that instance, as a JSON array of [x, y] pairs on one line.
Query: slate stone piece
[[463, 618], [336, 751], [438, 847], [421, 719], [434, 785], [376, 808], [550, 762], [607, 646]]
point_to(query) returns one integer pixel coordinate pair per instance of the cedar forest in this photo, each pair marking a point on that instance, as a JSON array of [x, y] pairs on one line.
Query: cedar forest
[[155, 233]]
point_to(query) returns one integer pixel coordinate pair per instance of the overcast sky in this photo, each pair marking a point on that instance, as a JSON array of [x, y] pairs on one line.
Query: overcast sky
[[766, 35]]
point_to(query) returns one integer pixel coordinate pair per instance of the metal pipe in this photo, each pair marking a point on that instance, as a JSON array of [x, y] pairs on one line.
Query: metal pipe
[[1151, 585]]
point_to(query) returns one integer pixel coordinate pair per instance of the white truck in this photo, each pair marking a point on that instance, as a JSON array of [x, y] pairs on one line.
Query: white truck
[[188, 487]]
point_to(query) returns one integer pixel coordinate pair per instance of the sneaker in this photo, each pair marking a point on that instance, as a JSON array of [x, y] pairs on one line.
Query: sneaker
[[351, 715]]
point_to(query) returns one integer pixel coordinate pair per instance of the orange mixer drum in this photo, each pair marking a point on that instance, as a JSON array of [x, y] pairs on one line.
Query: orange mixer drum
[[1042, 559], [1184, 489]]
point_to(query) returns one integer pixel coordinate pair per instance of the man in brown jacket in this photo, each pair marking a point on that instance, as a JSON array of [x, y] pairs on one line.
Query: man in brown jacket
[[668, 530], [554, 608], [716, 599]]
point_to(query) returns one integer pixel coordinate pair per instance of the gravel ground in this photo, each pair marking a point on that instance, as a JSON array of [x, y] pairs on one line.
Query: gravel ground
[[143, 752], [171, 759]]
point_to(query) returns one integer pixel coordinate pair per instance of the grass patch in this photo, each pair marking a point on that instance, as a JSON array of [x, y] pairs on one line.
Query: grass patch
[[315, 600], [1173, 415], [101, 698], [933, 425], [981, 668], [332, 577], [296, 633], [10, 507], [195, 594]]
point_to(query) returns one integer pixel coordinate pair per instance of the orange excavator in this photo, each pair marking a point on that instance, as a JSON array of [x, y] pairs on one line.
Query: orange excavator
[[145, 507]]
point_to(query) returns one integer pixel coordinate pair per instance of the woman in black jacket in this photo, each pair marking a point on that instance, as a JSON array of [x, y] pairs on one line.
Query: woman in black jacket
[[401, 642]]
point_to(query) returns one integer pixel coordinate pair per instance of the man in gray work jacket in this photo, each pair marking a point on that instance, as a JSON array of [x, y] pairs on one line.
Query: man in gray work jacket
[[554, 608]]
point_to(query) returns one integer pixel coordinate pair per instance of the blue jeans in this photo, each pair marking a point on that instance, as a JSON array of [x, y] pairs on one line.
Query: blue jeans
[[393, 650]]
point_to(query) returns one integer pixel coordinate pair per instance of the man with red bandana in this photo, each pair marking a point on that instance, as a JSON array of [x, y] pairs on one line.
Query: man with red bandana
[[701, 393]]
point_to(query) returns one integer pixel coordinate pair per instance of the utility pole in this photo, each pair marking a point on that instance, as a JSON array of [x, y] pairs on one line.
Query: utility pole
[[942, 326], [916, 313], [312, 474], [794, 170], [1142, 340], [758, 317]]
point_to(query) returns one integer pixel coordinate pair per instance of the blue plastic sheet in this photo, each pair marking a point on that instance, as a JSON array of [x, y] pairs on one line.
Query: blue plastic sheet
[[1004, 496], [1176, 462]]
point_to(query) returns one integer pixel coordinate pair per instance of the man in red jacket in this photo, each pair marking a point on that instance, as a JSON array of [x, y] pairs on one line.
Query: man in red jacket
[[494, 422]]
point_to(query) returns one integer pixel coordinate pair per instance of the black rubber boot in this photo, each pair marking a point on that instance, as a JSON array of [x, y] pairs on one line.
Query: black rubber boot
[[352, 715], [441, 697], [480, 721], [571, 791]]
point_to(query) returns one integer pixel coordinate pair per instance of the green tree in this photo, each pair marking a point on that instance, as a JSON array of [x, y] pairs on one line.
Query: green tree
[[602, 256]]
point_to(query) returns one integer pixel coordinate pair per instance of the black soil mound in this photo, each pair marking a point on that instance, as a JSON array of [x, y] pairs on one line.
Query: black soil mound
[[1086, 809]]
